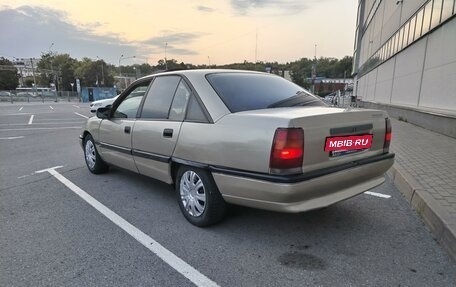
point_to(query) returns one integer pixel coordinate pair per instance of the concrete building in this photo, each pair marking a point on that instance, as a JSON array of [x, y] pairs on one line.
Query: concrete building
[[405, 60]]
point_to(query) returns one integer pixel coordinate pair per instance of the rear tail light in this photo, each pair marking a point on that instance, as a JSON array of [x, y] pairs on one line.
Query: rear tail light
[[388, 135], [287, 151]]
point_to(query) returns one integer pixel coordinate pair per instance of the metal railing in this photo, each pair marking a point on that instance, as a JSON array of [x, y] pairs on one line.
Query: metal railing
[[341, 99], [39, 96]]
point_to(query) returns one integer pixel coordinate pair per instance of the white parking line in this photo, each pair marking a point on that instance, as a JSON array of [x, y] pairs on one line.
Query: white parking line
[[31, 119], [32, 129], [81, 115], [20, 109], [15, 114], [45, 123], [76, 106], [377, 194], [51, 107], [12, 138], [167, 256]]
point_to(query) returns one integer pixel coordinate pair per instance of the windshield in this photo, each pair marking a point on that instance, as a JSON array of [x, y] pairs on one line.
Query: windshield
[[245, 91]]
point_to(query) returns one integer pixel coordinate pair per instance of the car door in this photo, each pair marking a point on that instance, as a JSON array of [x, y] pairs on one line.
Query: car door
[[157, 129], [115, 132]]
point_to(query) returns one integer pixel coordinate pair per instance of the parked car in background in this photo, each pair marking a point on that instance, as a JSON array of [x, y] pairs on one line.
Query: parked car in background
[[239, 137], [95, 105]]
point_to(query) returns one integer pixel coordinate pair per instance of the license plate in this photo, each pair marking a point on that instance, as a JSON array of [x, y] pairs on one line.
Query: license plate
[[346, 143]]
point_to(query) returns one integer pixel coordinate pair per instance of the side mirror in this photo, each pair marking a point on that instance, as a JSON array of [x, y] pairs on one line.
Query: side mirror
[[103, 113]]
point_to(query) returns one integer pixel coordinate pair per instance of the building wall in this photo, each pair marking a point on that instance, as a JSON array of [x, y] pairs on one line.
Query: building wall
[[404, 66]]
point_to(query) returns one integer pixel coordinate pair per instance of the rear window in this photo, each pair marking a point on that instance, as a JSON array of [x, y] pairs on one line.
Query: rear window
[[244, 92]]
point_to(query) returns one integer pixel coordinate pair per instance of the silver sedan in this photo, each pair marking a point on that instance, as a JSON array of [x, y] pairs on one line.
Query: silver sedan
[[239, 137]]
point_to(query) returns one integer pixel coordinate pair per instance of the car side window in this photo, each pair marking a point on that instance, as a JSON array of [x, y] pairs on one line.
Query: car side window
[[195, 112], [128, 108], [179, 104], [158, 100]]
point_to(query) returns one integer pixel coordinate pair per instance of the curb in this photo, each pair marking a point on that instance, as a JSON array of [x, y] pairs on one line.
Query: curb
[[437, 219]]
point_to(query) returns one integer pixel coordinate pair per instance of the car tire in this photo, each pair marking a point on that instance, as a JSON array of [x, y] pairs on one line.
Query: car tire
[[93, 160], [198, 196]]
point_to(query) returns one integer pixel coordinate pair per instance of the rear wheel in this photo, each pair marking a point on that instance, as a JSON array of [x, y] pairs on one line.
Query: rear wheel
[[93, 160], [198, 197]]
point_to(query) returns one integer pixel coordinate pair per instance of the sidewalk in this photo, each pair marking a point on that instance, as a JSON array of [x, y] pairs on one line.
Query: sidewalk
[[425, 172]]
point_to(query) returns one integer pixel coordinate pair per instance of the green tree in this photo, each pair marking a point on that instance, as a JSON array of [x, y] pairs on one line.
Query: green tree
[[90, 72], [301, 71], [57, 69], [9, 77]]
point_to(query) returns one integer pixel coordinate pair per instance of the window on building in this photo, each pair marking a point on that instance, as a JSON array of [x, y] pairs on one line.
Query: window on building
[[419, 25], [436, 13], [427, 18], [400, 36], [412, 31], [447, 9], [394, 41], [406, 33], [388, 49]]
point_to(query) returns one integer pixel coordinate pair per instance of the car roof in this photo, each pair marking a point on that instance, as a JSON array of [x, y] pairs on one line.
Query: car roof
[[201, 72]]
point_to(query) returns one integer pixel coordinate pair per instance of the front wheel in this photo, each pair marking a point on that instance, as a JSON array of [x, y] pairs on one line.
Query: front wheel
[[198, 197], [93, 160]]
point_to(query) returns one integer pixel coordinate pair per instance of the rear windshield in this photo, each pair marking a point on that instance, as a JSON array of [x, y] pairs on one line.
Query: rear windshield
[[244, 92]]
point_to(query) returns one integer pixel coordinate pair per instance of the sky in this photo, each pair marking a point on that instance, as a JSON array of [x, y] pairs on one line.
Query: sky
[[190, 31]]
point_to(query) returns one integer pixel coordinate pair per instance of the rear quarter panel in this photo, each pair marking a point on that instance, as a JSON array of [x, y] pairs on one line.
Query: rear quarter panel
[[235, 141]]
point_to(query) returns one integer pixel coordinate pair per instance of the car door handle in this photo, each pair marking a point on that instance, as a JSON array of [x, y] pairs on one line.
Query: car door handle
[[168, 133], [127, 129]]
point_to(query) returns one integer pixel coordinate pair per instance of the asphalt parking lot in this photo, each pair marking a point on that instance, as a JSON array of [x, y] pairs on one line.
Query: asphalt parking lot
[[50, 235]]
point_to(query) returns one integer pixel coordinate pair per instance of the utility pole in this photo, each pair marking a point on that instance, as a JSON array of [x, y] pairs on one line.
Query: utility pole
[[256, 47], [102, 73], [33, 72], [52, 68], [314, 70], [166, 61]]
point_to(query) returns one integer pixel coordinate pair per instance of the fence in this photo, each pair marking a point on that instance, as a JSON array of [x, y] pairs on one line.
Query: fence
[[341, 99], [39, 96]]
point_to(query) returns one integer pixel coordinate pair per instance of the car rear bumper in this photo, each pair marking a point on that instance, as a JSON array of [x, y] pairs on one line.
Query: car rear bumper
[[311, 192]]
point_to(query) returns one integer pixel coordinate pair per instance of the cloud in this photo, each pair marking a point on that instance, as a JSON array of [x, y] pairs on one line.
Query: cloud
[[29, 31], [181, 51], [278, 7], [206, 9], [173, 40]]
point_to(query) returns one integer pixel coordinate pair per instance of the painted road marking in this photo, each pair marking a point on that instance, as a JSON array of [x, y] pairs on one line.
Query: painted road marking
[[377, 194], [51, 107], [40, 123], [167, 256], [32, 129], [20, 109], [76, 106], [59, 120], [12, 138], [15, 114], [31, 119], [81, 115]]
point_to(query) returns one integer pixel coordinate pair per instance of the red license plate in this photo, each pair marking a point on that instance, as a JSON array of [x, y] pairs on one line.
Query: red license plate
[[348, 143]]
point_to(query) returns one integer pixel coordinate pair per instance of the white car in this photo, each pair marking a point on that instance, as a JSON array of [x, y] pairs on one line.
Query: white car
[[95, 105]]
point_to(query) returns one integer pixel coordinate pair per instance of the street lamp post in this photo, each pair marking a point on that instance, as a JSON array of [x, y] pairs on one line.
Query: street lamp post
[[120, 73]]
